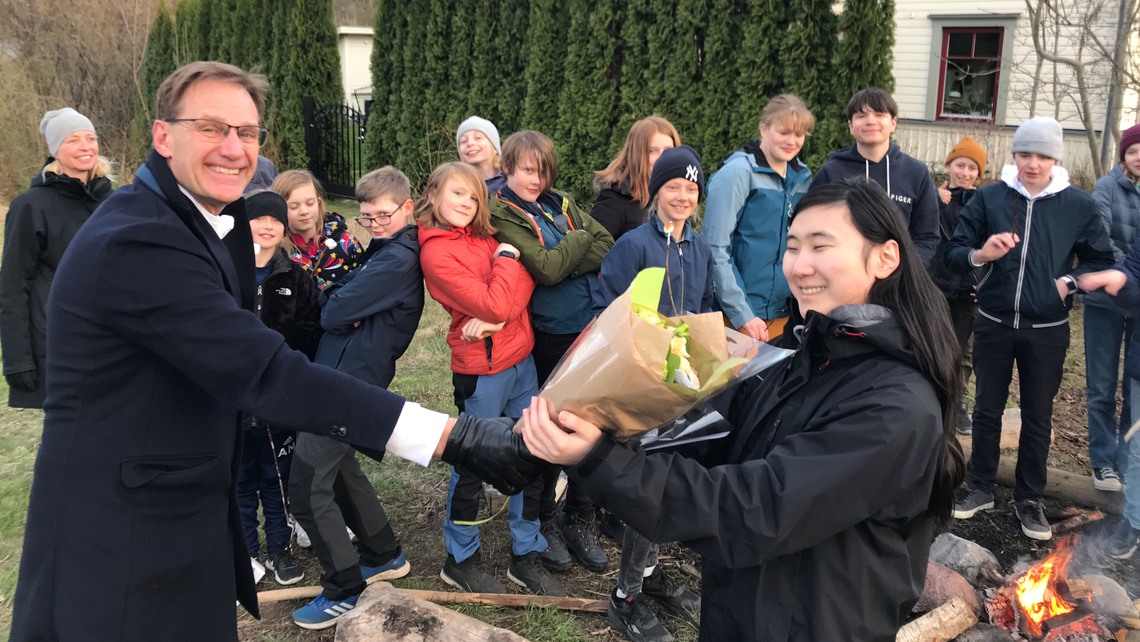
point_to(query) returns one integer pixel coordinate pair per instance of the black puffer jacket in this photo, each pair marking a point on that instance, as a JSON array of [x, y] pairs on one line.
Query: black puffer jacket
[[618, 211], [815, 505], [956, 286], [41, 223], [287, 303]]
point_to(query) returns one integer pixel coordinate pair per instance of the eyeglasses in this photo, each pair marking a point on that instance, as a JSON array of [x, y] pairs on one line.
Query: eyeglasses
[[381, 218], [216, 131]]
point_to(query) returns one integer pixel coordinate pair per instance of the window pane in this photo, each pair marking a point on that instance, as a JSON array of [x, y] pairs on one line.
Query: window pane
[[960, 44], [987, 45], [969, 89]]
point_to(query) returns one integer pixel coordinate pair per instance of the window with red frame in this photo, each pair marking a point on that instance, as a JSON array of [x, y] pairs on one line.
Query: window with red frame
[[971, 66]]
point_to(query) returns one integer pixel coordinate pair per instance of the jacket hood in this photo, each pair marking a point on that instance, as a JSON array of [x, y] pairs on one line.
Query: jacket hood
[[427, 234], [851, 154], [872, 328], [1059, 181], [1117, 174], [751, 150], [98, 188]]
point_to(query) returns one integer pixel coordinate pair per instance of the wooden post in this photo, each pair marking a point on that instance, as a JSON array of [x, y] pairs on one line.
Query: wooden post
[[448, 597], [940, 625]]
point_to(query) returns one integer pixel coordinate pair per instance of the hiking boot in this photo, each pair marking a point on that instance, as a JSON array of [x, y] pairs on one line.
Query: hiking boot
[[322, 612], [285, 569], [582, 541], [1122, 542], [1107, 479], [1031, 512], [555, 557], [633, 617], [970, 501], [469, 576], [396, 568], [963, 423], [528, 572], [674, 597]]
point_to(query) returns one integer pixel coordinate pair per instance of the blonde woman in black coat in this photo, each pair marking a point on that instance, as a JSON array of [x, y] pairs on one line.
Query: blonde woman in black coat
[[40, 225]]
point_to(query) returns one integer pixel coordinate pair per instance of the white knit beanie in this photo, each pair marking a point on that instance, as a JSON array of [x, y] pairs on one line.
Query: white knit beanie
[[486, 127], [1040, 135], [57, 125]]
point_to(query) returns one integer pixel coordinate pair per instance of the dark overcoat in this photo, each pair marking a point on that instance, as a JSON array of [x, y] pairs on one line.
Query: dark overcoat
[[133, 531], [40, 225]]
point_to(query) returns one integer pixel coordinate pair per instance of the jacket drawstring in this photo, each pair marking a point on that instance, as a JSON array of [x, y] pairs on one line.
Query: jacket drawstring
[[867, 172]]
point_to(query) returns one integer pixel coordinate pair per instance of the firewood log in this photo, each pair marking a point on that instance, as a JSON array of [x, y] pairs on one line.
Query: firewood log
[[940, 625]]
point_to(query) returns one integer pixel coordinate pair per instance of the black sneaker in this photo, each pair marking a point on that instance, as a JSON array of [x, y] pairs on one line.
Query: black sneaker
[[285, 569], [1031, 512], [582, 541], [528, 572], [963, 423], [1107, 479], [674, 597], [469, 576], [633, 617], [555, 557], [970, 501], [1122, 542]]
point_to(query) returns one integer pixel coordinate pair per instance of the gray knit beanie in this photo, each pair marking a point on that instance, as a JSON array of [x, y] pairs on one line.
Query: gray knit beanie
[[57, 125], [1039, 135], [486, 127]]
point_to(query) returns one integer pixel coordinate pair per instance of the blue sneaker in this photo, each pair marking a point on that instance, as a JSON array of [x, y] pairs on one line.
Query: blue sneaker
[[397, 568], [322, 613]]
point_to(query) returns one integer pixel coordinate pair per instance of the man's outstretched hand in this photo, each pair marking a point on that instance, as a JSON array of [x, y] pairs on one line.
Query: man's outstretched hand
[[490, 450]]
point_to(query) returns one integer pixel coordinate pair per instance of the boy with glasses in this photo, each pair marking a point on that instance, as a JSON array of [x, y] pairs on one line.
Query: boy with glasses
[[369, 318]]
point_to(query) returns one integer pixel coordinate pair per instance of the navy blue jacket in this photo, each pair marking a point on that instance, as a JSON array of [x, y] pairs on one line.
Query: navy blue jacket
[[955, 285], [1020, 289], [1118, 200], [153, 352], [370, 315], [1129, 299], [689, 288], [908, 184]]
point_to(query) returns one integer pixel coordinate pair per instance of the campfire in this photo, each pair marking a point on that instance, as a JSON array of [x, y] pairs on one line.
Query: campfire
[[1043, 604]]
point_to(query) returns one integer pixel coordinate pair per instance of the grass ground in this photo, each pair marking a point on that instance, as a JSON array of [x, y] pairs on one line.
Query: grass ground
[[414, 499]]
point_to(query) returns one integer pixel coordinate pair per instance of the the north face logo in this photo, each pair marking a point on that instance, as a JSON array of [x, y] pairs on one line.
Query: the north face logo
[[691, 173]]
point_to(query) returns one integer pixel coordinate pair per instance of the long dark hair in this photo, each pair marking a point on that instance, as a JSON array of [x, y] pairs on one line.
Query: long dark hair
[[920, 308]]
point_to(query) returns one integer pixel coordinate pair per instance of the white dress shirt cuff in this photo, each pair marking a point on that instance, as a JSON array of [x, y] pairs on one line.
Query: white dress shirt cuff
[[972, 262], [417, 433]]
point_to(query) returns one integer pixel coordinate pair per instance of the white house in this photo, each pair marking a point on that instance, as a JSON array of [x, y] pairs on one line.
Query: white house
[[355, 46], [970, 67]]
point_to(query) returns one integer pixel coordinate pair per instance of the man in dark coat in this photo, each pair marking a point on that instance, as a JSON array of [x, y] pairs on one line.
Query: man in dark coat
[[133, 531]]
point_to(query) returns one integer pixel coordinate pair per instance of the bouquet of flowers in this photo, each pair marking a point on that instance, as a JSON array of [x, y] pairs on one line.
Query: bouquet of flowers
[[632, 370]]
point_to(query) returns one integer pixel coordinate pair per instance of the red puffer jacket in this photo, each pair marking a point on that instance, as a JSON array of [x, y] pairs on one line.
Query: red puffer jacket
[[463, 274]]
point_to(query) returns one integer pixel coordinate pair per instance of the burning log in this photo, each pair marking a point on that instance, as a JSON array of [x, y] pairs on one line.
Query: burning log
[[1081, 518], [940, 625]]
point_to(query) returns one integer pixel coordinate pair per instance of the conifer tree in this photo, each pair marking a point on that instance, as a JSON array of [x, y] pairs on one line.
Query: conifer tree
[[157, 64], [485, 89], [682, 82], [660, 44], [588, 109], [409, 137], [207, 39], [387, 79], [719, 75], [313, 70], [460, 44], [187, 40], [806, 58], [435, 96], [636, 20], [510, 36], [544, 56], [866, 46], [759, 72]]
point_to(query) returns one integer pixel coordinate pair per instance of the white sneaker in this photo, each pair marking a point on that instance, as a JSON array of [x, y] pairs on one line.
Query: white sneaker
[[302, 537]]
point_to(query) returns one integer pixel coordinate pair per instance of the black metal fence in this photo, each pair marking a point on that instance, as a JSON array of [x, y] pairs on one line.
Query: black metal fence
[[334, 141]]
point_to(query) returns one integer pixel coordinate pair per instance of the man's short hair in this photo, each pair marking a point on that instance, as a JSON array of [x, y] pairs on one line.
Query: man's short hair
[[536, 146], [172, 89], [873, 98], [384, 182]]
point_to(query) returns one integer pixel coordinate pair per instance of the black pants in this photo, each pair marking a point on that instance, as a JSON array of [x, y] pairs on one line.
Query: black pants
[[328, 491], [962, 315], [548, 351], [1040, 357]]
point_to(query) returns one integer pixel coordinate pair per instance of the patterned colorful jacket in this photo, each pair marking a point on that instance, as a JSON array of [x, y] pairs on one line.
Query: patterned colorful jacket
[[332, 255]]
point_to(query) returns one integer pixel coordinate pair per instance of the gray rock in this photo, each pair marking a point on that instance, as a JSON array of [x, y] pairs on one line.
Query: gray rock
[[1113, 600], [943, 584], [985, 633], [975, 563]]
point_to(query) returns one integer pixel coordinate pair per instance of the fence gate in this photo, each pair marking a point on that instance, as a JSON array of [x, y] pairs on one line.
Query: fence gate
[[334, 141]]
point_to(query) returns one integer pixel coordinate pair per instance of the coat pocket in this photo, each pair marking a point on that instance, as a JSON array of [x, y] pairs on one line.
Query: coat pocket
[[173, 471]]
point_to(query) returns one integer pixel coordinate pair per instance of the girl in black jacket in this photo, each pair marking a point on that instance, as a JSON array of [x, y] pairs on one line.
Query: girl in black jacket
[[623, 186], [41, 223], [825, 497], [287, 303]]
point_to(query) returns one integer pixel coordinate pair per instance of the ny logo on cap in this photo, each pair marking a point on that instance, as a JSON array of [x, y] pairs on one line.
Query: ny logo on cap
[[691, 173]]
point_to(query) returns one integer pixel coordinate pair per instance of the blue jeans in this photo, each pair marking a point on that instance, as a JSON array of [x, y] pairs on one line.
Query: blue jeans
[[1105, 331], [503, 394], [1132, 476]]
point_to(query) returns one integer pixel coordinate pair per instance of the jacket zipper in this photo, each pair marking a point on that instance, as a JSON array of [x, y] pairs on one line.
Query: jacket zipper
[[1021, 268]]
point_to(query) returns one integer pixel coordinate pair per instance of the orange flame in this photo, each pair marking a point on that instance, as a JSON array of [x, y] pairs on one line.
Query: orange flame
[[1036, 590]]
